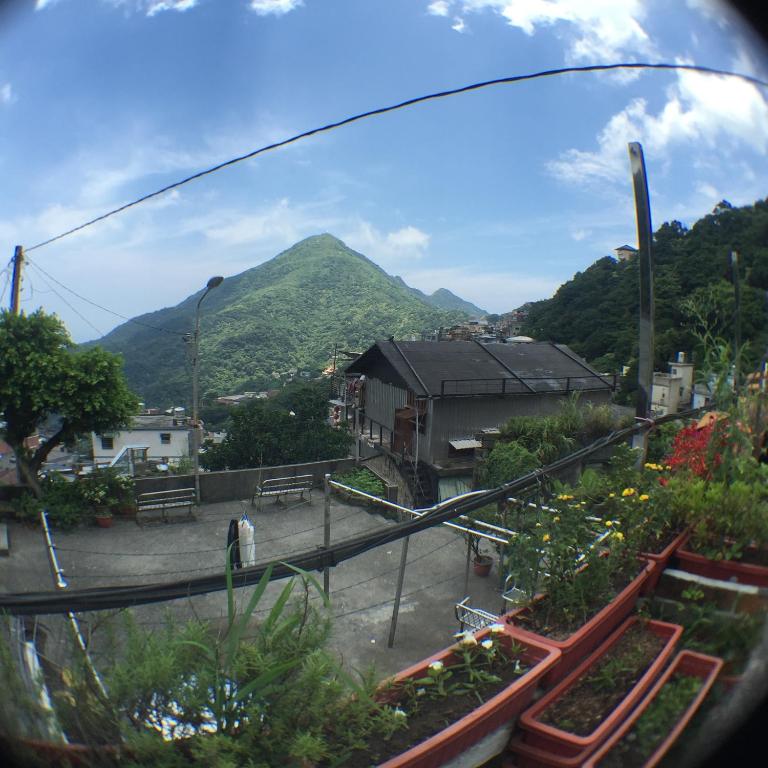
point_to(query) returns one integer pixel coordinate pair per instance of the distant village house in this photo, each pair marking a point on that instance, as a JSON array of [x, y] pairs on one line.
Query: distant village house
[[424, 402]]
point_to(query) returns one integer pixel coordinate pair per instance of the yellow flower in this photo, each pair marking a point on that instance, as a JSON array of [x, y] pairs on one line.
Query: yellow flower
[[668, 467], [608, 523], [538, 525], [545, 538], [556, 519], [564, 497], [643, 497], [628, 492], [618, 535], [611, 495]]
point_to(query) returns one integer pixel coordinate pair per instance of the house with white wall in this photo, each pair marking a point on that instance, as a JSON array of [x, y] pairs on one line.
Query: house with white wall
[[167, 439]]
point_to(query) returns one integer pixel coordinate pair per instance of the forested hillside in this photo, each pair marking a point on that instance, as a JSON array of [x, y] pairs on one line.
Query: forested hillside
[[283, 315], [596, 312]]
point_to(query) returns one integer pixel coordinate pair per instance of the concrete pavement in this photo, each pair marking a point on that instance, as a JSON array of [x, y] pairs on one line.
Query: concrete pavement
[[362, 589]]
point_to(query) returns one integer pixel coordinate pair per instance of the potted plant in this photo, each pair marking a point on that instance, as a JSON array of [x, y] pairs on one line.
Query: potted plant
[[582, 576], [574, 718], [481, 684], [652, 729]]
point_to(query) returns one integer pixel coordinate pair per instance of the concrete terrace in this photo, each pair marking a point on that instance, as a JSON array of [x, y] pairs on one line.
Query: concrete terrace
[[362, 589]]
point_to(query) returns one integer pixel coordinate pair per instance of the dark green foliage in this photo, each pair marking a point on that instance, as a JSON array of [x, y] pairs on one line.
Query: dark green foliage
[[42, 374], [265, 433], [284, 314], [596, 312], [506, 462], [364, 480]]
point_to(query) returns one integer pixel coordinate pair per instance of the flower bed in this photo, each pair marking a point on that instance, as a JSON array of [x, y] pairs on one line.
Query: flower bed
[[439, 698], [649, 733], [575, 645], [573, 719], [741, 570]]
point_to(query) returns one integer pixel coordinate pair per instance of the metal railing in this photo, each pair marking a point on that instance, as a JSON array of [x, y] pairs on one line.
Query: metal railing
[[528, 385]]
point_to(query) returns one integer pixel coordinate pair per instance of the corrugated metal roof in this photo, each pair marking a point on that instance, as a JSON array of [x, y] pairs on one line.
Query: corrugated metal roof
[[463, 445], [473, 368]]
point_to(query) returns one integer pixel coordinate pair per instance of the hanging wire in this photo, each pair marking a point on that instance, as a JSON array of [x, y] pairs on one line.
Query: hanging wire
[[403, 105], [98, 306]]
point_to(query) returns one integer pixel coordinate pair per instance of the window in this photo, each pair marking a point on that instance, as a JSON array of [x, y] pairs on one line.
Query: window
[[165, 438], [107, 443]]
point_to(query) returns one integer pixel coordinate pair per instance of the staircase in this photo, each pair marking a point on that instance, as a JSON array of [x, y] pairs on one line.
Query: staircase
[[419, 483]]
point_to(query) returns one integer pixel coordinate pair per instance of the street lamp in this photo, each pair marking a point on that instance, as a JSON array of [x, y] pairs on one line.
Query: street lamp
[[214, 282]]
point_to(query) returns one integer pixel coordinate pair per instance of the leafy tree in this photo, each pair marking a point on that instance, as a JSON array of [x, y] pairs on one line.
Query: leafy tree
[[42, 374], [290, 429], [596, 312]]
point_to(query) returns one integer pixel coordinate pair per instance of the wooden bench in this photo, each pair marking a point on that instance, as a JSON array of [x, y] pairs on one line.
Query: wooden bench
[[476, 618], [165, 500], [283, 486]]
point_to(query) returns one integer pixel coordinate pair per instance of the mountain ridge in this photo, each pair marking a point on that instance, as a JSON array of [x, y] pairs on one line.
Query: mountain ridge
[[282, 315]]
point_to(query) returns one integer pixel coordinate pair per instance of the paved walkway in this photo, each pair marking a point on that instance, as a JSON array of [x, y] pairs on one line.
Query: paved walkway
[[362, 589]]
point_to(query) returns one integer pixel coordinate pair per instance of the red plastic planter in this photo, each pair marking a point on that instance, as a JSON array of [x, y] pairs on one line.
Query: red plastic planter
[[560, 748], [725, 570], [491, 723], [582, 642], [660, 560], [686, 663]]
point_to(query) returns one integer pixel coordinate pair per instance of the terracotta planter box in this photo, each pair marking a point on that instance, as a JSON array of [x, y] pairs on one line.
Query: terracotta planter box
[[585, 639], [660, 560], [551, 746], [686, 663], [725, 570], [484, 732]]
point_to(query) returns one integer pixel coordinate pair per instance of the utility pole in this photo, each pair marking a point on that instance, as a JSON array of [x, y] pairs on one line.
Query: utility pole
[[645, 266], [18, 260], [736, 320]]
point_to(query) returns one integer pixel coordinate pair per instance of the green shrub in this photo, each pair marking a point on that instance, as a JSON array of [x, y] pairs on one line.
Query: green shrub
[[26, 508], [506, 462], [363, 480]]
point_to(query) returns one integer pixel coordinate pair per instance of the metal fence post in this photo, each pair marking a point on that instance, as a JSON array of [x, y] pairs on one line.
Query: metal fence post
[[327, 532]]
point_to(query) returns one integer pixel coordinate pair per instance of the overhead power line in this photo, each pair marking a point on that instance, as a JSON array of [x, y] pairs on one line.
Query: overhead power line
[[402, 105], [94, 304], [315, 559]]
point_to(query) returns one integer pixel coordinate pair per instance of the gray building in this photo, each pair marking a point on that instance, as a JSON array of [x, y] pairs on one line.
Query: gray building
[[424, 402]]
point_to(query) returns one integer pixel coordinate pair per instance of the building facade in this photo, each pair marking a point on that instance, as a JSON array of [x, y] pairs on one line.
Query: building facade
[[166, 438]]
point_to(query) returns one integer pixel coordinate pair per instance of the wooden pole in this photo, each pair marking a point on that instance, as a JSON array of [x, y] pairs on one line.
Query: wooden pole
[[398, 592], [327, 532], [736, 319], [18, 260], [645, 265]]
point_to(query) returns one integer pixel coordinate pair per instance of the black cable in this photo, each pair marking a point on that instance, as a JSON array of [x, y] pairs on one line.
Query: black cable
[[81, 316], [402, 105], [98, 306], [100, 598]]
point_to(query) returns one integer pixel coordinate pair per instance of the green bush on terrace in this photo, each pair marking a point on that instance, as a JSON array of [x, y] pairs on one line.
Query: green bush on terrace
[[363, 480]]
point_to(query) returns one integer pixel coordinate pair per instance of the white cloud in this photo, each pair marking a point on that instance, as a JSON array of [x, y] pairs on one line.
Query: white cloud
[[439, 8], [594, 30], [158, 6], [275, 7], [718, 112], [147, 7], [580, 234], [494, 291], [458, 24], [6, 94], [389, 250]]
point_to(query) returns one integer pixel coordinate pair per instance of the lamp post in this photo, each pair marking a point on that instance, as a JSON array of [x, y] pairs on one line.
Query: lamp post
[[214, 282]]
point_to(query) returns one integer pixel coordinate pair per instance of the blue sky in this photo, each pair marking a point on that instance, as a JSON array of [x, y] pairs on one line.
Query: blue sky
[[499, 195]]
